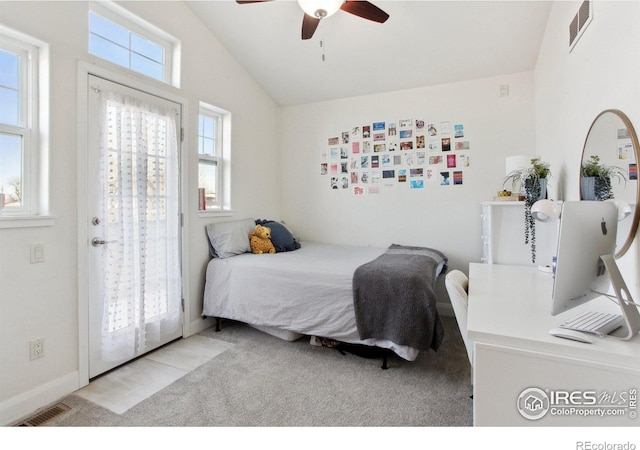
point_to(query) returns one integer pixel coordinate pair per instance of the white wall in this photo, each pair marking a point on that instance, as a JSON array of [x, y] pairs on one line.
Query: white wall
[[442, 217], [40, 300], [602, 72]]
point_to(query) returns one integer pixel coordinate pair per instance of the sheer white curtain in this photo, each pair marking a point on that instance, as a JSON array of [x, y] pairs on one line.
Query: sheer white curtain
[[140, 206]]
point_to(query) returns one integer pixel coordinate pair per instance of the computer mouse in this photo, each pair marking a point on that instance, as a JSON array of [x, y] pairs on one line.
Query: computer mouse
[[573, 335]]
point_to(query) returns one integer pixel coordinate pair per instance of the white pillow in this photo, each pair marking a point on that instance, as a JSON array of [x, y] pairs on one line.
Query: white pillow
[[230, 238]]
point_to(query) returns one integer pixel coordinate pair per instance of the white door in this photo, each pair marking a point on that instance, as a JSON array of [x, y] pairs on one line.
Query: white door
[[133, 223]]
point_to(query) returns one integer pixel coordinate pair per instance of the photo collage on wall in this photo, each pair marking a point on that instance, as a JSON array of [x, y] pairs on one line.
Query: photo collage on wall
[[404, 154]]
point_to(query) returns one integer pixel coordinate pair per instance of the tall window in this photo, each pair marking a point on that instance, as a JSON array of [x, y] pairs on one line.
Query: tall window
[[128, 42], [213, 159], [18, 127]]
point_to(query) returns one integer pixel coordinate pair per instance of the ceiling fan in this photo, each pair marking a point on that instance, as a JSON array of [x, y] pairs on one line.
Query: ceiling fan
[[315, 10]]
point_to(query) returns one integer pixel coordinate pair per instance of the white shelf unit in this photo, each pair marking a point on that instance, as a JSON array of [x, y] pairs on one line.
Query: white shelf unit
[[503, 236]]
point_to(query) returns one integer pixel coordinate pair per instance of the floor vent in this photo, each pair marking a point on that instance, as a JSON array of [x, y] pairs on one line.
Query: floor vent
[[46, 415]]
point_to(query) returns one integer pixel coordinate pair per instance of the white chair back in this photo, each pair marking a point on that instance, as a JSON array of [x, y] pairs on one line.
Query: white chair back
[[457, 285]]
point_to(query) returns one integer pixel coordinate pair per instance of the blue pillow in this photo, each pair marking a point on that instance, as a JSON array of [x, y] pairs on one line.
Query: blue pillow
[[281, 237]]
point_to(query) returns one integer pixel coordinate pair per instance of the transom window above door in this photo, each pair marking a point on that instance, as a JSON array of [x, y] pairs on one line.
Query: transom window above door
[[119, 37]]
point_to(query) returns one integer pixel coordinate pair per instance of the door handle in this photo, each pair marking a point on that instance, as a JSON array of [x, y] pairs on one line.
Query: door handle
[[96, 242]]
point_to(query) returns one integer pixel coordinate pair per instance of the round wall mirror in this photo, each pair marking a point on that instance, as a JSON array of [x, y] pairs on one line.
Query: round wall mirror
[[609, 169]]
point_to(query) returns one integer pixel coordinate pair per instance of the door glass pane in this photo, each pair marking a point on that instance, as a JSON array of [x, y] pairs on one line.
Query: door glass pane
[[11, 169]]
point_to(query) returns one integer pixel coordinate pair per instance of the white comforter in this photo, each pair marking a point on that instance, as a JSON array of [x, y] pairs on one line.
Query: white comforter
[[308, 291]]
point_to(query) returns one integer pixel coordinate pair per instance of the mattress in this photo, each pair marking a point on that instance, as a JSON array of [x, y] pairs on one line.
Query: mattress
[[307, 291]]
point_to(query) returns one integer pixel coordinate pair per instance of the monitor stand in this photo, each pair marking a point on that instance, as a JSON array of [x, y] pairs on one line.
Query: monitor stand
[[629, 309]]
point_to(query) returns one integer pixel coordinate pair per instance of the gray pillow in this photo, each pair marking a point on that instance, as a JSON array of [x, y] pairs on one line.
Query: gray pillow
[[231, 238]]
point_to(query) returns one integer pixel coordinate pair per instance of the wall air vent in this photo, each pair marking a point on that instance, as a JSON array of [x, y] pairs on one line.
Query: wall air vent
[[580, 22]]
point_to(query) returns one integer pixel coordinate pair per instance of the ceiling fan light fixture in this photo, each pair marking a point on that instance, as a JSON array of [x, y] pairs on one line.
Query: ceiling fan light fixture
[[320, 8]]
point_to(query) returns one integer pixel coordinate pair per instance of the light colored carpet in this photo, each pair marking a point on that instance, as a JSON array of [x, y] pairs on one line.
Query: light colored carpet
[[262, 381]]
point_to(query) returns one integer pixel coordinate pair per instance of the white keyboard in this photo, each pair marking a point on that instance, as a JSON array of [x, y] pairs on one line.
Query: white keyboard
[[594, 322]]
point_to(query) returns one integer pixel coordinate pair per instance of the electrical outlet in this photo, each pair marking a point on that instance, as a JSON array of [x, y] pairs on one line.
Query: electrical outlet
[[37, 348]]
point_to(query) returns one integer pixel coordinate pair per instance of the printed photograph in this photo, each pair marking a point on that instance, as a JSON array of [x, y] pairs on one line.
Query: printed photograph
[[458, 130], [378, 126], [446, 144], [406, 134], [435, 159], [406, 145], [462, 145], [417, 184], [457, 177], [377, 148]]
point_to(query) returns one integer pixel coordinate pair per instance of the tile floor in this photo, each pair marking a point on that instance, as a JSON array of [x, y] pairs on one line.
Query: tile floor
[[128, 385]]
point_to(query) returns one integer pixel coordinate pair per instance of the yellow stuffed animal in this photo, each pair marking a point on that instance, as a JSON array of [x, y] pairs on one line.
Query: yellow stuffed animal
[[260, 240]]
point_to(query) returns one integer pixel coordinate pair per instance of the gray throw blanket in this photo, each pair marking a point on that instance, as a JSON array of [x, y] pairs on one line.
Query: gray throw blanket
[[394, 297]]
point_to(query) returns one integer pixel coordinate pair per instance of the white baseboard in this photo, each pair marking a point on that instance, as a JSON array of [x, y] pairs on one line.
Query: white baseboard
[[25, 404], [196, 326]]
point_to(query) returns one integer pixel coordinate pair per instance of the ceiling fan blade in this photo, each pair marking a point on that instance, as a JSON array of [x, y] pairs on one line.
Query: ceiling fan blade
[[309, 26], [244, 2], [366, 10]]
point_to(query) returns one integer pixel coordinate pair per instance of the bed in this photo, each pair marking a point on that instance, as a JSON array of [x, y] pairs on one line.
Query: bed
[[324, 290]]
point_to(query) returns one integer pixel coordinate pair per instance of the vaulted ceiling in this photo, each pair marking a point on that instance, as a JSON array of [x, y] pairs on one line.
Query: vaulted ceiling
[[423, 43]]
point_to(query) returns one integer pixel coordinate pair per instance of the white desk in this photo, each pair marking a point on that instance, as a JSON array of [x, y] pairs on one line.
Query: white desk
[[520, 369]]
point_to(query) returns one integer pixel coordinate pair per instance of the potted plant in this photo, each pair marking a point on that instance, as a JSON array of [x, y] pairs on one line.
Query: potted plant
[[595, 180], [533, 183]]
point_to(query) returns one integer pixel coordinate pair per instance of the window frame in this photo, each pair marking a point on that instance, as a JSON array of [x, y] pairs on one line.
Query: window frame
[[221, 158], [32, 128], [132, 23]]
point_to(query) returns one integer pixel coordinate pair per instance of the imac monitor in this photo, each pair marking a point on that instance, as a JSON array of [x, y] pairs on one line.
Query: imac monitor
[[587, 231]]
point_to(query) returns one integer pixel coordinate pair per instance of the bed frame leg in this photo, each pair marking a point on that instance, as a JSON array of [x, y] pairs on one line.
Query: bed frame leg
[[384, 363], [218, 320]]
